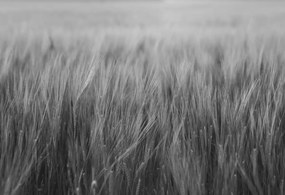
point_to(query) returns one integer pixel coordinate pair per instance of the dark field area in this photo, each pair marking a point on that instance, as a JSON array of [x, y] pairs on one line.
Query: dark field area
[[142, 98]]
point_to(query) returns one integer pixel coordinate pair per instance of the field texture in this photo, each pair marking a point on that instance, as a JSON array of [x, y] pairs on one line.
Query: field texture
[[146, 98]]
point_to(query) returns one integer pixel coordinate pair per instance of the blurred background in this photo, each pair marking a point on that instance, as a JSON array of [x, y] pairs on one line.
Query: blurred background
[[90, 15]]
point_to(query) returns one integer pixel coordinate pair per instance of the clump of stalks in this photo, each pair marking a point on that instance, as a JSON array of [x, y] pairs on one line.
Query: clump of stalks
[[143, 116]]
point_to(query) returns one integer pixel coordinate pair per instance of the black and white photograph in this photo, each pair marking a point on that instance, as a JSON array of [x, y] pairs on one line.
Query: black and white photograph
[[142, 97]]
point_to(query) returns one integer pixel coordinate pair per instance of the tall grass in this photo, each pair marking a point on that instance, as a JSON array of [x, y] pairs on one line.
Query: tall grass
[[143, 116]]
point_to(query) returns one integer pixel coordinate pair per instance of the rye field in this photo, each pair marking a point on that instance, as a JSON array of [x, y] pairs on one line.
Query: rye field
[[130, 98]]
